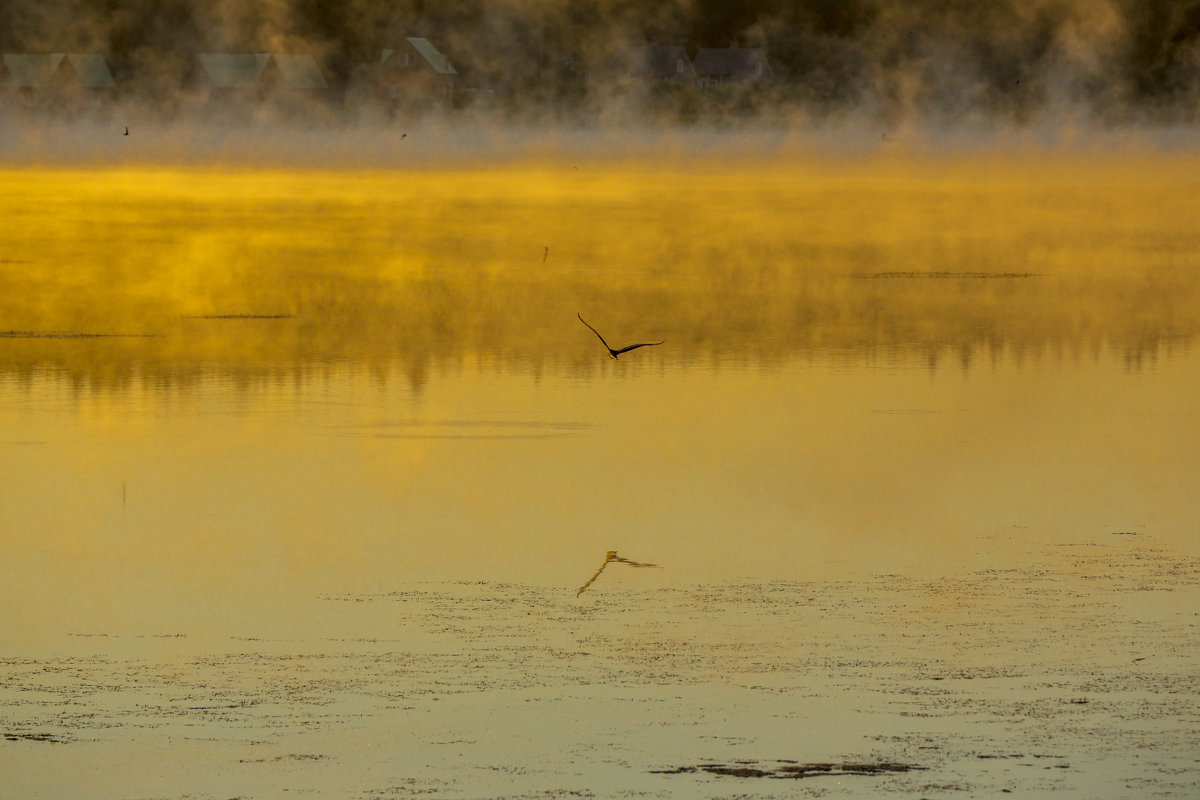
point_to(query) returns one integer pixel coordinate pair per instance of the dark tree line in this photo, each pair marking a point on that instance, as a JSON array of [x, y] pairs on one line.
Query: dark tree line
[[949, 57]]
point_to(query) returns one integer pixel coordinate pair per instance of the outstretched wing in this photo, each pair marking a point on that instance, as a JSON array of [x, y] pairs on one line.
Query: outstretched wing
[[598, 336], [636, 346]]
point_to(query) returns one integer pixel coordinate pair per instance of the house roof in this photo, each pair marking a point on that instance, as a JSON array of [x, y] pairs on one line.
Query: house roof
[[234, 70], [92, 70], [36, 70], [729, 62], [32, 70], [300, 71], [658, 60], [435, 58]]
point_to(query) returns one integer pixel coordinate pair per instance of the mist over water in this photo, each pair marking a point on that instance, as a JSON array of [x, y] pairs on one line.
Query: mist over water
[[969, 258]]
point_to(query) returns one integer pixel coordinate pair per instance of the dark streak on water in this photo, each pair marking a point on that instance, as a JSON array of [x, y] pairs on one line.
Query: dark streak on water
[[478, 436], [791, 769], [468, 423], [970, 275], [33, 737], [72, 335], [239, 316]]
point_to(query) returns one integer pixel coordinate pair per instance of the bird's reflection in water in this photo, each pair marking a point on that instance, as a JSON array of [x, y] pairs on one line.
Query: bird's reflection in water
[[611, 555]]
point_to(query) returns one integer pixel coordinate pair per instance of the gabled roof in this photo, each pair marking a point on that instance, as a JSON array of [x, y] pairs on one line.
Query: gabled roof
[[436, 60], [92, 70], [32, 70], [300, 71], [234, 70], [37, 70], [730, 62]]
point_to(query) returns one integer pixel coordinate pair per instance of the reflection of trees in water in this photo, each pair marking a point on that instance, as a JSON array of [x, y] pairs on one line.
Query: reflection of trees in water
[[417, 328], [427, 325], [258, 277]]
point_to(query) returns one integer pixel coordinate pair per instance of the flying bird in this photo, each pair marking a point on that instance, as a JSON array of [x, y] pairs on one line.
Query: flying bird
[[126, 130], [614, 353], [546, 254]]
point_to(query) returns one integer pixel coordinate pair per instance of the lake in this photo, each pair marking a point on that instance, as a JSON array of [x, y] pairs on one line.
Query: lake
[[304, 469]]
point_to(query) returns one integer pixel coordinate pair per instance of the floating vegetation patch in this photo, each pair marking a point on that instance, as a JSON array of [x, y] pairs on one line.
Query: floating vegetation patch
[[792, 769], [239, 316], [128, 636], [33, 737], [71, 335], [288, 757], [970, 275]]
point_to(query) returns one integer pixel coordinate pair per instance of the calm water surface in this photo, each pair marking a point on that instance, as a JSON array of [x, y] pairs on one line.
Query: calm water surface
[[228, 398]]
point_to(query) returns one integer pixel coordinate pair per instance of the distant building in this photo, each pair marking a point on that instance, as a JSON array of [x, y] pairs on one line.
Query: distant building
[[260, 72], [656, 64], [299, 71], [289, 83], [414, 72], [232, 71], [67, 79], [732, 66]]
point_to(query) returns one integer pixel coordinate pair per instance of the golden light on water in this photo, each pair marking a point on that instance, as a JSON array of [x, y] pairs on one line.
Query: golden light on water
[[254, 422], [287, 356], [429, 265]]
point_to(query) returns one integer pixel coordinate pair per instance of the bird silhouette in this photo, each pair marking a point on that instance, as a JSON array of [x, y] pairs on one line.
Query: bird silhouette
[[546, 254], [126, 130], [611, 352]]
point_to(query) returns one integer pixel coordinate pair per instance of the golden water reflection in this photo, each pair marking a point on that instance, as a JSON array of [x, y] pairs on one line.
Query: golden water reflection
[[265, 275], [225, 392]]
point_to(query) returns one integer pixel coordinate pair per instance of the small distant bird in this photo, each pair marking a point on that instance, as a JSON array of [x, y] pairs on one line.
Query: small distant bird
[[126, 130], [614, 353], [403, 135], [546, 254]]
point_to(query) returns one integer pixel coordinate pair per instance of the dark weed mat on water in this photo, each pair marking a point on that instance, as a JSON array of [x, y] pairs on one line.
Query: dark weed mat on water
[[72, 335], [240, 316], [791, 769], [33, 737], [974, 275]]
